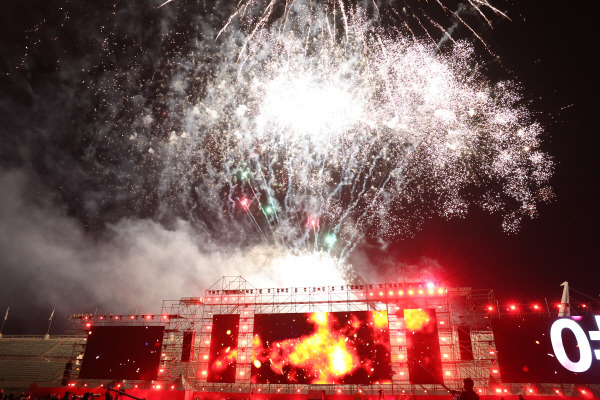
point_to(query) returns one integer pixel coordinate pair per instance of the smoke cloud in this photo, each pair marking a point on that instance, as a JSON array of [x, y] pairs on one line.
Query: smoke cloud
[[108, 203], [50, 261]]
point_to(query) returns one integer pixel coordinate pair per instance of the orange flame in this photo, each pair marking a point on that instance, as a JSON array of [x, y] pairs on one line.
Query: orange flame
[[415, 319]]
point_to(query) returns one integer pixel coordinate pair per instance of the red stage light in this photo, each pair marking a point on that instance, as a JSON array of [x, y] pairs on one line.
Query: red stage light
[[441, 291], [400, 292], [490, 308], [512, 307], [410, 292]]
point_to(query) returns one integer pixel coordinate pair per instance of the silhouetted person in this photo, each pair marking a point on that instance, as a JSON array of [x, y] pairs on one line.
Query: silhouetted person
[[468, 393], [67, 396]]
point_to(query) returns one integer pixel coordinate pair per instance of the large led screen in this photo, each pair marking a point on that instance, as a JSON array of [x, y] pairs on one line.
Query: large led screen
[[122, 352], [222, 358], [548, 350], [423, 346], [319, 348]]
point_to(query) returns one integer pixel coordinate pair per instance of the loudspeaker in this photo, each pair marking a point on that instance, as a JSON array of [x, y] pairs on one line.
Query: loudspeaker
[[187, 348]]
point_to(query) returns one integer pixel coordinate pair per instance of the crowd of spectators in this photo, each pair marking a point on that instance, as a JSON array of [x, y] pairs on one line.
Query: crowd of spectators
[[67, 396]]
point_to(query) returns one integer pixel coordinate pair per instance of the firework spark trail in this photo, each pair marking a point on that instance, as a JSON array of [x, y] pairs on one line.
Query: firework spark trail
[[343, 142], [307, 127]]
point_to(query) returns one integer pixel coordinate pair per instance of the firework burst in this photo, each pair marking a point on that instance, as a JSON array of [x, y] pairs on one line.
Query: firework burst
[[313, 142], [302, 126]]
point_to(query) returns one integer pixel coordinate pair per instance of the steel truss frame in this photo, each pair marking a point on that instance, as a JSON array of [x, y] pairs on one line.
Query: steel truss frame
[[233, 295]]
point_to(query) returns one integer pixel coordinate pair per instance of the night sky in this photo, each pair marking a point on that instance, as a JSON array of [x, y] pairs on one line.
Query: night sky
[[547, 48], [78, 234]]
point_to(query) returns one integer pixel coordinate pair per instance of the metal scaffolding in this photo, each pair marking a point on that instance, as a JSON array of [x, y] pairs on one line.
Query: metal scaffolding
[[192, 318]]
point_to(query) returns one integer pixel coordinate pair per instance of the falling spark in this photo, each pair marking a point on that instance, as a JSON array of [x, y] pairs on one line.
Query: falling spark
[[307, 126]]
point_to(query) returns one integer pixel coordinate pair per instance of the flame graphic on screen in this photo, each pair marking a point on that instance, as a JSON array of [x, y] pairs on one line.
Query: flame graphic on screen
[[224, 360], [415, 319], [327, 354]]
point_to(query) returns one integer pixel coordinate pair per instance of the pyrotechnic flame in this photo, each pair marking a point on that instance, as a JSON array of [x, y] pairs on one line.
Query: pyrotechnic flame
[[415, 319]]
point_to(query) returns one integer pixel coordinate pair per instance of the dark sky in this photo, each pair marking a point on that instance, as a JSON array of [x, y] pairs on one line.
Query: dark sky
[[549, 49], [54, 106]]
